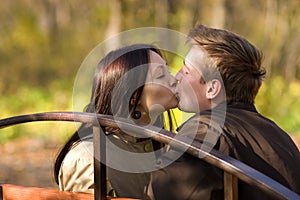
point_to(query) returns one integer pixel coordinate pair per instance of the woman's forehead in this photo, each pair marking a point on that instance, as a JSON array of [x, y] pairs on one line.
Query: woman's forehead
[[156, 58]]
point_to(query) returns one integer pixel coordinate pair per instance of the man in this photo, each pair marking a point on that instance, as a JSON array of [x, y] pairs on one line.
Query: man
[[223, 73]]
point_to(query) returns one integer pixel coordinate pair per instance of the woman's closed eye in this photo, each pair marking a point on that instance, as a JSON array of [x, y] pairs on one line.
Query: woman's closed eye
[[159, 72]]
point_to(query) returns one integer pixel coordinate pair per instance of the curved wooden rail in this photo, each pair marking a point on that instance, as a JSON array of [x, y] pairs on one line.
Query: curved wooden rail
[[226, 163]]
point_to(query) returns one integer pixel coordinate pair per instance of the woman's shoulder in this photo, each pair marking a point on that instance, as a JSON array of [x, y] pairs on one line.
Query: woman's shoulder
[[81, 151], [77, 170]]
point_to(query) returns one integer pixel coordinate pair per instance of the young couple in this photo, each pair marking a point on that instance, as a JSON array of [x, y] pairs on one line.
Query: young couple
[[221, 76]]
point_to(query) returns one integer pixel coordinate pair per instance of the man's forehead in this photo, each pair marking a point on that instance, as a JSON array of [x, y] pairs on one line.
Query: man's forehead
[[195, 57]]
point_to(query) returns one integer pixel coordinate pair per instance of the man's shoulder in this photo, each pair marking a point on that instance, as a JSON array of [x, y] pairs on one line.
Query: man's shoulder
[[205, 119]]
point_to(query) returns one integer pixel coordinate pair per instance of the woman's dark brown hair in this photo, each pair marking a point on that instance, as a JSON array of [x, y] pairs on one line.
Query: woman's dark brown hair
[[109, 71]]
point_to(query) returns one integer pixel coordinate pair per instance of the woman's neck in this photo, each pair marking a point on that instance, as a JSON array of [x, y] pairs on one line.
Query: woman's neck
[[150, 115]]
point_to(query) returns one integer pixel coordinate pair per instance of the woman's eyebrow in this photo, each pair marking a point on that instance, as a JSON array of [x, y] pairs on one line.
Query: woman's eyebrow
[[161, 66]]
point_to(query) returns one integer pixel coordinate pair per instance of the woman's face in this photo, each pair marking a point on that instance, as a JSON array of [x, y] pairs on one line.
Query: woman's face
[[159, 90]]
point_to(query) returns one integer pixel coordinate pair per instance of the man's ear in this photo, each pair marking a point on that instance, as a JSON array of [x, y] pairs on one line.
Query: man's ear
[[213, 88]]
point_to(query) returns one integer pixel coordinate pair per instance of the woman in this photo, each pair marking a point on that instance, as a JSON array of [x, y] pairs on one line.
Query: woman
[[131, 82]]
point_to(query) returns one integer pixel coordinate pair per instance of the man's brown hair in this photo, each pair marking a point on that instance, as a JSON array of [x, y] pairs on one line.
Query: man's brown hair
[[237, 60]]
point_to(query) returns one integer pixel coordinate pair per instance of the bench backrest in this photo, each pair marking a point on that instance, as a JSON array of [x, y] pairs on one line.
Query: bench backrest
[[233, 169]]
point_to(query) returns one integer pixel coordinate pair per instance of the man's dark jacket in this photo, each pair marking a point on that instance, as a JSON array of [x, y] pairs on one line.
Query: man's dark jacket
[[247, 136]]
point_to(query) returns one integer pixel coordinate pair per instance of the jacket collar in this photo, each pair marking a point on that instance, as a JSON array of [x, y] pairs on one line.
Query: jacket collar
[[220, 107]]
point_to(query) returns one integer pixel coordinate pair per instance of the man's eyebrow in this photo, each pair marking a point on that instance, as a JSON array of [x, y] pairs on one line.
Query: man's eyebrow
[[185, 64]]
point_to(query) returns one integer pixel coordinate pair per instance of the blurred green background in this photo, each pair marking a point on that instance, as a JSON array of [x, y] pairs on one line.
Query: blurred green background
[[43, 43]]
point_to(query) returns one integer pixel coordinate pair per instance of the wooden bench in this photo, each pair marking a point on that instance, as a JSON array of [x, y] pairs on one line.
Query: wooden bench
[[233, 169], [15, 192]]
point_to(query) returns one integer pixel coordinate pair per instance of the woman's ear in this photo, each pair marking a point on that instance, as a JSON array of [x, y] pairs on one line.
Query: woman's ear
[[132, 101], [213, 88]]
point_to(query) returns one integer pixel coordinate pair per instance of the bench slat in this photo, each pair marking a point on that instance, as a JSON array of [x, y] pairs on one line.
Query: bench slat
[[14, 192]]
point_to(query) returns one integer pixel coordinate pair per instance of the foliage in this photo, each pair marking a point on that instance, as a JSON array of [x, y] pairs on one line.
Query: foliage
[[33, 100], [280, 101]]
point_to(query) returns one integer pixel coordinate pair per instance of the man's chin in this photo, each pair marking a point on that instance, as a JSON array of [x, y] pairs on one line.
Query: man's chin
[[187, 109], [182, 108], [179, 107]]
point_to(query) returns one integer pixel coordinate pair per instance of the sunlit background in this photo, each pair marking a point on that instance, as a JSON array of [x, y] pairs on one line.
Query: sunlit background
[[43, 43]]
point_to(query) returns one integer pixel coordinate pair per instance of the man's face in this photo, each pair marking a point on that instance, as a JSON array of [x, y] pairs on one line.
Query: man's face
[[191, 93]]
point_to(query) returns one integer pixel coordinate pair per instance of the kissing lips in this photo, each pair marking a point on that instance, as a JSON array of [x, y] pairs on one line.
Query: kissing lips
[[177, 96]]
